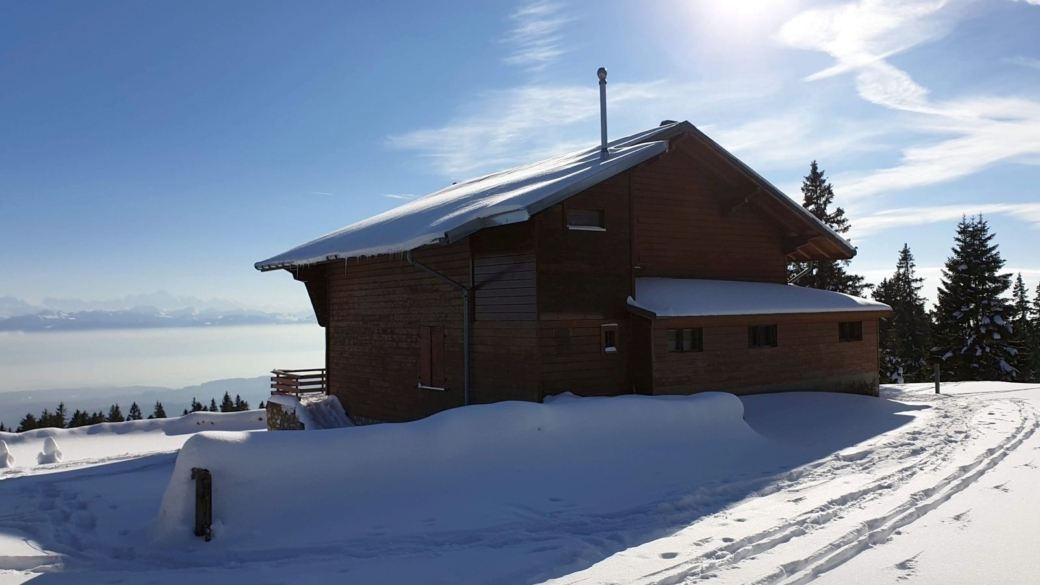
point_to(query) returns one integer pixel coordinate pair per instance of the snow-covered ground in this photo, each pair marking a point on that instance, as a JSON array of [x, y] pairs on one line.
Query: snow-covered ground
[[783, 488]]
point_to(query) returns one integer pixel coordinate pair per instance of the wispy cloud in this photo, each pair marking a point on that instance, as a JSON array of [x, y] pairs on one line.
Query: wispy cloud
[[536, 38], [976, 132], [501, 129], [399, 196], [1024, 61], [319, 193], [914, 216]]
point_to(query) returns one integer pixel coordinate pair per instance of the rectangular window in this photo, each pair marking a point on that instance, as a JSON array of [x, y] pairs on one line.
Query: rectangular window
[[850, 331], [431, 357], [589, 220], [609, 337], [761, 336], [685, 340]]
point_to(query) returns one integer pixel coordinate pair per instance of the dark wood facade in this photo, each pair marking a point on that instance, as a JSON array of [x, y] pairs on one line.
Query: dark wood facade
[[544, 295]]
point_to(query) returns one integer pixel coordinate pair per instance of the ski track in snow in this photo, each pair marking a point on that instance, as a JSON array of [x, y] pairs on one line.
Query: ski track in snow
[[917, 453], [911, 472]]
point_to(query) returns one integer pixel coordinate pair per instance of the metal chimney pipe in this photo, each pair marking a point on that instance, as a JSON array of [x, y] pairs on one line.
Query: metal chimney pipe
[[602, 74]]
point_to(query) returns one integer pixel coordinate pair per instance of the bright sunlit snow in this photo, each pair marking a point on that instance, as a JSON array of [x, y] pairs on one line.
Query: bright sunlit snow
[[781, 488]]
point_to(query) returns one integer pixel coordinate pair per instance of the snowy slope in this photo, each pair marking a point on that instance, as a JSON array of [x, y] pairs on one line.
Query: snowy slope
[[801, 487], [108, 442]]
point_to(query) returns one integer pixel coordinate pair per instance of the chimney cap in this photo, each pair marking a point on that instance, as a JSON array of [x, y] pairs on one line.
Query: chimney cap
[[602, 73], [666, 122]]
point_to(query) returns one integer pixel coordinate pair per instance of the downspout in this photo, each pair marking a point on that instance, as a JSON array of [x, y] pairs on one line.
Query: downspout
[[465, 321]]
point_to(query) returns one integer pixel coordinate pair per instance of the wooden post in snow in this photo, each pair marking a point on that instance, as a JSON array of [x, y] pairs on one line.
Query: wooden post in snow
[[936, 377], [203, 502]]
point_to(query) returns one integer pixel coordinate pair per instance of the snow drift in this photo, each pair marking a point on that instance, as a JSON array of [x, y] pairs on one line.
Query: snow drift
[[460, 469]]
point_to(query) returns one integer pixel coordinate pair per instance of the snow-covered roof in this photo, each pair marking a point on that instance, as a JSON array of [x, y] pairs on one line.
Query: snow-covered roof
[[674, 297], [515, 195], [454, 212]]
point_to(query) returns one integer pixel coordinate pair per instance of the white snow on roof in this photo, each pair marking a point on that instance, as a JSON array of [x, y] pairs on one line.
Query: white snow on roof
[[671, 297], [504, 197]]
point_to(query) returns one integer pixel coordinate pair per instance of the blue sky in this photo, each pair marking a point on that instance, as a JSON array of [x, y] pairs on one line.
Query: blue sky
[[150, 146]]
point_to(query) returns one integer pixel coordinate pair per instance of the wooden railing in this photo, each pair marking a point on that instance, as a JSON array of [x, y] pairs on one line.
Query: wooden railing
[[298, 381]]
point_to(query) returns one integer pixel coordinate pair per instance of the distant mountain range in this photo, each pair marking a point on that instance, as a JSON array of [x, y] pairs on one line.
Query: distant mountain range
[[153, 310]]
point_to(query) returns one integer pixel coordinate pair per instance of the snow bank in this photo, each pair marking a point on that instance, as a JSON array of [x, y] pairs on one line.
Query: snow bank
[[103, 442], [460, 469], [316, 412], [675, 297]]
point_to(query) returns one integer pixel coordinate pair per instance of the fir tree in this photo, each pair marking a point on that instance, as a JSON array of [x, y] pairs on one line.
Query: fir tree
[[213, 405], [262, 405], [3, 429], [196, 406], [818, 195], [1024, 328], [61, 416], [27, 424], [226, 404], [159, 411], [96, 418], [972, 329], [79, 419], [185, 413], [240, 405], [114, 414], [134, 413], [905, 337]]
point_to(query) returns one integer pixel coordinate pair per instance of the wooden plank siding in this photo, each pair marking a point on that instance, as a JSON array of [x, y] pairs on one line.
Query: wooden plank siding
[[584, 279], [682, 228], [377, 306], [505, 343], [808, 355]]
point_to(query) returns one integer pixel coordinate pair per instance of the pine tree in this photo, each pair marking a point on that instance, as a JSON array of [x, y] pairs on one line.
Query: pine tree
[[240, 405], [213, 405], [159, 411], [114, 414], [61, 416], [78, 419], [226, 405], [185, 413], [1024, 334], [28, 423], [972, 329], [134, 413], [818, 195], [905, 337], [3, 429], [96, 418], [262, 405], [196, 406]]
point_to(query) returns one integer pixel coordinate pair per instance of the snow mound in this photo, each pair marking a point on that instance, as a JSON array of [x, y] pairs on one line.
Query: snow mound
[[6, 459], [466, 466], [50, 454], [316, 412]]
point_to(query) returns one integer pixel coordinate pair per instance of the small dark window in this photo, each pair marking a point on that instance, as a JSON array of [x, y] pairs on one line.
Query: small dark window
[[685, 340], [850, 331], [609, 337], [761, 336], [585, 219]]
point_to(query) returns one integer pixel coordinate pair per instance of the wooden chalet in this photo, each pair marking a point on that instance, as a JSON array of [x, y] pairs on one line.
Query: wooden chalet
[[657, 266]]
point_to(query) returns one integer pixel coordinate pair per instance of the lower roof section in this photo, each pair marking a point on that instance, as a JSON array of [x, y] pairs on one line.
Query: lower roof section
[[674, 297]]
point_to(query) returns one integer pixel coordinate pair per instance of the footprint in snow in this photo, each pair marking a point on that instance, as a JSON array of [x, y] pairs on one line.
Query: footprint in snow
[[669, 555], [727, 540], [908, 567], [1002, 487]]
